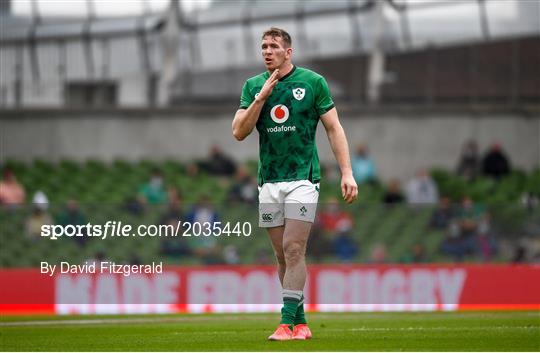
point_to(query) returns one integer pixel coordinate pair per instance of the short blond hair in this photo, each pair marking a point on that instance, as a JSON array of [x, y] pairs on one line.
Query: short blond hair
[[278, 32]]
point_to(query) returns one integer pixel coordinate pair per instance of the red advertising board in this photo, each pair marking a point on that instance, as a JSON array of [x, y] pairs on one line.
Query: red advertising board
[[256, 289]]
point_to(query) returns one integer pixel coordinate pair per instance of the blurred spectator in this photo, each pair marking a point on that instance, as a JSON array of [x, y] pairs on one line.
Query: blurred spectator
[[192, 170], [486, 242], [263, 258], [318, 245], [362, 165], [462, 234], [495, 163], [40, 200], [72, 215], [230, 255], [153, 192], [332, 218], [244, 188], [422, 189], [205, 248], [469, 161], [344, 246], [12, 193], [170, 245], [378, 254], [173, 214], [520, 255], [203, 211], [416, 255], [135, 205], [530, 201], [37, 219], [393, 194], [174, 195], [442, 215], [453, 245], [468, 216], [337, 227], [219, 163]]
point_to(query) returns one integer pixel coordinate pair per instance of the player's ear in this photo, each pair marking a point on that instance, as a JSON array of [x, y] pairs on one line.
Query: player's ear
[[288, 52]]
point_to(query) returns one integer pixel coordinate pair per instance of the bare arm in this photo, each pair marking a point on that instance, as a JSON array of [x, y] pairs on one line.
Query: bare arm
[[338, 142], [245, 119]]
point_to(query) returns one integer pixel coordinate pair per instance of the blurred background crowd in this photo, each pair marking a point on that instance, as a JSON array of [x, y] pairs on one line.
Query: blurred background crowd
[[483, 211]]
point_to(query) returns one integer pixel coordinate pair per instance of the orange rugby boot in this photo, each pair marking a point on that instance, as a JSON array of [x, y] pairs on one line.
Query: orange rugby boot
[[301, 332], [283, 333]]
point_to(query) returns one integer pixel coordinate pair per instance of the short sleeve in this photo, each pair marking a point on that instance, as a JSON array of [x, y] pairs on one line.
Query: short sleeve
[[323, 99], [246, 99]]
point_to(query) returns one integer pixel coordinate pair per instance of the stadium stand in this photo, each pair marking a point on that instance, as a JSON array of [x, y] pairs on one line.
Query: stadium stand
[[102, 190]]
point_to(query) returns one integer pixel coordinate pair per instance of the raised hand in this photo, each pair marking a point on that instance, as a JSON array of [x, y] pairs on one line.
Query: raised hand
[[268, 86]]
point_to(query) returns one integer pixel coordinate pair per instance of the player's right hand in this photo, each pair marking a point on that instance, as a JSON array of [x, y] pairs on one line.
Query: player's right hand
[[268, 86], [349, 189]]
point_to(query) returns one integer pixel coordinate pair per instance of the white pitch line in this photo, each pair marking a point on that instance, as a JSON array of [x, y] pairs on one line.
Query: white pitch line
[[112, 321], [387, 329], [220, 318], [441, 328]]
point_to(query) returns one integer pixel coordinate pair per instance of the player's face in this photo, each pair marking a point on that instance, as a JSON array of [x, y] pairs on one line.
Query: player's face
[[274, 53]]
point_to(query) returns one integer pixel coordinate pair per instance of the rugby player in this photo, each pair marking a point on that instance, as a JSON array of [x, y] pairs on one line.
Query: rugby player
[[285, 104]]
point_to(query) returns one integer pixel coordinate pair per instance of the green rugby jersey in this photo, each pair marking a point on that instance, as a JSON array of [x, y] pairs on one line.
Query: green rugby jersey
[[288, 123]]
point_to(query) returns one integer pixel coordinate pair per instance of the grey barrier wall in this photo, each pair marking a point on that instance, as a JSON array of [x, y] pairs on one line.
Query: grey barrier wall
[[400, 143]]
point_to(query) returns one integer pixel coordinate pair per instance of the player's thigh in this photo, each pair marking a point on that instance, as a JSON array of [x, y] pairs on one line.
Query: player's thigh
[[296, 234]]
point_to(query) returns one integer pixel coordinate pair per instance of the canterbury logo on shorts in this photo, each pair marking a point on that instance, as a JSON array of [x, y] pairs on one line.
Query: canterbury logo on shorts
[[267, 217]]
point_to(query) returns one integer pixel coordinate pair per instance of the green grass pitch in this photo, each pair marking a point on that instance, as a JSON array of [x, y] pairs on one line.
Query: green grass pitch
[[442, 331]]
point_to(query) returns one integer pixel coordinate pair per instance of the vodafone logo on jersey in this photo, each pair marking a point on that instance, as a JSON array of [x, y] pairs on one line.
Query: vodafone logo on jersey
[[279, 113]]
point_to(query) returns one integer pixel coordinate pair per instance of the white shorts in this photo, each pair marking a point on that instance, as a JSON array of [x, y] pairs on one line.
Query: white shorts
[[288, 199]]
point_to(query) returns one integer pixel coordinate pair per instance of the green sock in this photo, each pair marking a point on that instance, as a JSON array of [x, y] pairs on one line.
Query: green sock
[[300, 317], [291, 299]]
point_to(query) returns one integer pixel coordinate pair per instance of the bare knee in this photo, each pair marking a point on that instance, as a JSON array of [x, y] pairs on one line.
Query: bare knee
[[294, 253], [280, 257]]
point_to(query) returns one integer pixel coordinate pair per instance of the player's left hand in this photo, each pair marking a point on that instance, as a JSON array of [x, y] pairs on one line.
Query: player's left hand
[[349, 189]]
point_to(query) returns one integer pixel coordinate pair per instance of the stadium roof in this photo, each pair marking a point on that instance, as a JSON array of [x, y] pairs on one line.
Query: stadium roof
[[19, 28], [451, 21]]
